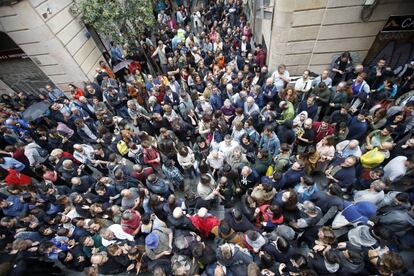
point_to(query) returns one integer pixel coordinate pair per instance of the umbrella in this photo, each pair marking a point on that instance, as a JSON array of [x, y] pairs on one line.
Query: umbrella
[[36, 111], [121, 65]]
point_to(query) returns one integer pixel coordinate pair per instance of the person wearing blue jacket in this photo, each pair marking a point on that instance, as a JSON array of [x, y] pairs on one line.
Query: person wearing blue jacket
[[357, 127], [216, 100], [292, 176], [355, 213], [13, 206], [269, 141], [269, 91]]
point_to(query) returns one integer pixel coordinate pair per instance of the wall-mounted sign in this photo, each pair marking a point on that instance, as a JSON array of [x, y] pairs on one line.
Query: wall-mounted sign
[[399, 23]]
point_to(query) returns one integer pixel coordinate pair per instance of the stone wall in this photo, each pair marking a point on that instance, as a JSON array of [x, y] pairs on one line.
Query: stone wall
[[307, 33], [53, 39]]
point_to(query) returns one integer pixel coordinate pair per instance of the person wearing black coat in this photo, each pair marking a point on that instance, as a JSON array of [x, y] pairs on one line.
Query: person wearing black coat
[[179, 221], [74, 259], [86, 131], [285, 133], [171, 98], [238, 221]]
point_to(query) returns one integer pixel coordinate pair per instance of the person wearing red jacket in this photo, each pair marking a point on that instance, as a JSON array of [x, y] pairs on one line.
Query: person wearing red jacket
[[204, 222], [16, 178], [269, 216], [322, 129]]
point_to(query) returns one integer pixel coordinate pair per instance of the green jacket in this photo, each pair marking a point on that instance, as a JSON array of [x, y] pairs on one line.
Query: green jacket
[[287, 114]]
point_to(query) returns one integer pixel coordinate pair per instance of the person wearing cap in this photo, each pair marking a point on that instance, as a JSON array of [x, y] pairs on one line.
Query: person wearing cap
[[158, 243]]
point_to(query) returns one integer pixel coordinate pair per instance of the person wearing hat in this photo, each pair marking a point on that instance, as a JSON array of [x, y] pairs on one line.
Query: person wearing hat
[[158, 243]]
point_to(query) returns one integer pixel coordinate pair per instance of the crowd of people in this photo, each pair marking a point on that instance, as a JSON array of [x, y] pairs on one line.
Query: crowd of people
[[213, 165]]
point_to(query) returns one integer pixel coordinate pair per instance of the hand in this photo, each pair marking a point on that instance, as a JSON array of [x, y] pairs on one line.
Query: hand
[[342, 245], [71, 242], [282, 266], [340, 72], [332, 104], [318, 248], [81, 259], [130, 267], [369, 147], [33, 249]]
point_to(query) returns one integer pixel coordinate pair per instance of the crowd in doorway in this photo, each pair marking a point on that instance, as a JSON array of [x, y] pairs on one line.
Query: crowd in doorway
[[213, 165]]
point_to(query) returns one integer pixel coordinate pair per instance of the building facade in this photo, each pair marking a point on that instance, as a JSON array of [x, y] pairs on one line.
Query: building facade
[[307, 34], [49, 41]]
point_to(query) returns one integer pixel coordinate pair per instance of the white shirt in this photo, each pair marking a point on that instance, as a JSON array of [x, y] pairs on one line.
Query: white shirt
[[345, 151], [118, 233], [227, 149], [278, 81], [395, 168], [303, 85]]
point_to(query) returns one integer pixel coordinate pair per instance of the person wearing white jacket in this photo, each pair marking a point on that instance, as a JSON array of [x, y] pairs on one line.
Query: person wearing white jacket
[[36, 154], [186, 159]]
